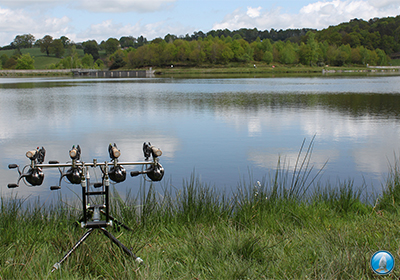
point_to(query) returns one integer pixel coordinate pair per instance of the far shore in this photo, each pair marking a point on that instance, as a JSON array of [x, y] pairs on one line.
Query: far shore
[[182, 70]]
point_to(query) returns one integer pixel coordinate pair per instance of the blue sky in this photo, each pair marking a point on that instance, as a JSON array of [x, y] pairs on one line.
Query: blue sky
[[101, 19]]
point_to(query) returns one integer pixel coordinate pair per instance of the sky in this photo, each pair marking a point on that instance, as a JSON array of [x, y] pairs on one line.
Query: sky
[[102, 19]]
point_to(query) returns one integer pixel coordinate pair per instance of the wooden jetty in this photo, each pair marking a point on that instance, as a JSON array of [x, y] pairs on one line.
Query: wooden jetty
[[82, 73], [114, 73]]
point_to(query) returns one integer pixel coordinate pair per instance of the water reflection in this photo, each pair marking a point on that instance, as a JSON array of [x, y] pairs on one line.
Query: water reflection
[[221, 128]]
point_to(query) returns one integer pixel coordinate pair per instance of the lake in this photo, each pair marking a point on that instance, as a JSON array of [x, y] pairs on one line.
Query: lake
[[223, 130]]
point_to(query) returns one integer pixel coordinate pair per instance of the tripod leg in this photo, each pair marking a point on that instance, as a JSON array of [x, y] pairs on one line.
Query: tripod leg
[[122, 246], [117, 222], [57, 264]]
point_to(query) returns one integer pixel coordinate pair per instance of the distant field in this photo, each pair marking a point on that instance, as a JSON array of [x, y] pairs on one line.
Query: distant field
[[42, 61], [395, 62]]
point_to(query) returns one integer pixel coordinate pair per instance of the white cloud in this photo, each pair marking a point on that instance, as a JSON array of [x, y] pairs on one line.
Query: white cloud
[[123, 6], [102, 6], [15, 22], [319, 15], [253, 12], [109, 28], [103, 19], [384, 3]]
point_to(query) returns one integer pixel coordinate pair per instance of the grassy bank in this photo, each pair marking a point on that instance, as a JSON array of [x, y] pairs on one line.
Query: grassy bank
[[273, 229], [42, 62], [263, 69]]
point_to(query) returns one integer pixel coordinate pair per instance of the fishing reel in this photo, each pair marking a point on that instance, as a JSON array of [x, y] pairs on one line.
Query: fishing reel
[[155, 172], [77, 172], [117, 172], [34, 176], [74, 174]]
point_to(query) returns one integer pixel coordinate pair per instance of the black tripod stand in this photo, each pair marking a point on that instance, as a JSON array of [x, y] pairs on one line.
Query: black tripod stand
[[78, 173], [92, 215]]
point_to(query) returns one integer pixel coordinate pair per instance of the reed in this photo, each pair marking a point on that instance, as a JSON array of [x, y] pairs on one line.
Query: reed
[[288, 225]]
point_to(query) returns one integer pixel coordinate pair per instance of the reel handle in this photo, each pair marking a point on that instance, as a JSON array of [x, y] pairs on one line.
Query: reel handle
[[137, 173]]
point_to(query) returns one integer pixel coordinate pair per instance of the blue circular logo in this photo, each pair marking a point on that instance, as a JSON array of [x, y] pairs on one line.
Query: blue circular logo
[[382, 262]]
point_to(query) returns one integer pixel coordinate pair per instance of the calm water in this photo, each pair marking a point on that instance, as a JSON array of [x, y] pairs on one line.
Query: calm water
[[222, 130]]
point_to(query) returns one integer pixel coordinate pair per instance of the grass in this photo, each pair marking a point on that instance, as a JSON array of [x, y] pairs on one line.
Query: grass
[[264, 70], [395, 62], [42, 61], [276, 228]]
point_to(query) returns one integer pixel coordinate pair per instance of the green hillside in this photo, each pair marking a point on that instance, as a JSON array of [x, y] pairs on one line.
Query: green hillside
[[42, 61], [355, 43]]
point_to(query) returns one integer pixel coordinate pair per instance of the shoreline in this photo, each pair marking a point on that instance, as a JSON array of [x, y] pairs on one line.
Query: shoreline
[[262, 69]]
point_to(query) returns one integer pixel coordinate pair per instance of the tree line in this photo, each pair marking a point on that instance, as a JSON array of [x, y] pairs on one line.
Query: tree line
[[356, 42]]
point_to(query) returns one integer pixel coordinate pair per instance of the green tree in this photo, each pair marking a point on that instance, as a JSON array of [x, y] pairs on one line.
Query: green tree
[[331, 54], [57, 48], [267, 46], [23, 41], [355, 56], [335, 39], [258, 49], [10, 63], [99, 64], [169, 53], [127, 41], [65, 41], [373, 58], [237, 49], [343, 55], [322, 52], [91, 47], [182, 50], [72, 61], [3, 59], [25, 61], [305, 55], [313, 47], [170, 38], [268, 57], [288, 54], [155, 52], [87, 61], [111, 46], [364, 55], [45, 44], [277, 47], [141, 41], [117, 60], [197, 54], [382, 57]]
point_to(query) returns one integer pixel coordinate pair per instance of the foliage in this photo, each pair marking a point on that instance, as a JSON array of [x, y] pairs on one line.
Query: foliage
[[99, 64], [57, 48], [25, 61], [90, 47], [117, 60], [127, 42], [87, 61], [10, 63], [23, 41], [357, 42], [111, 46], [45, 44]]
